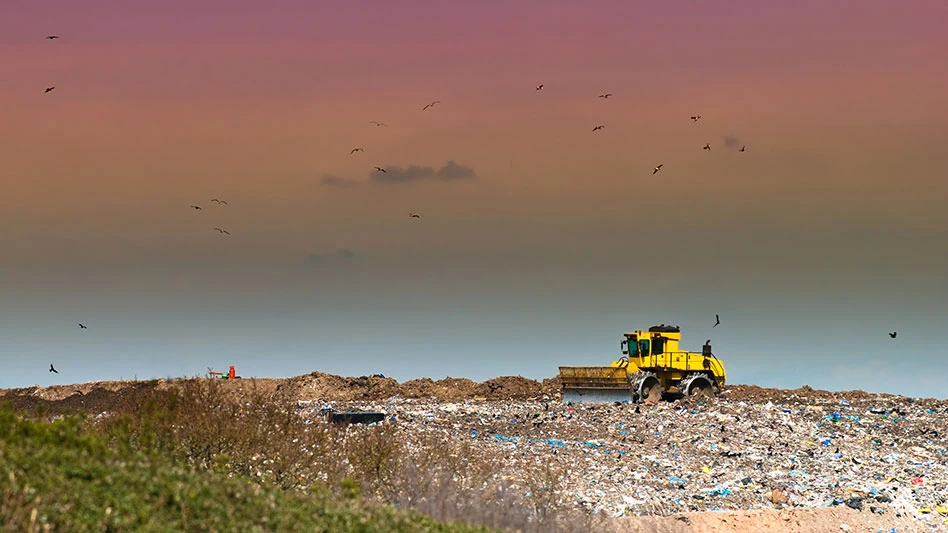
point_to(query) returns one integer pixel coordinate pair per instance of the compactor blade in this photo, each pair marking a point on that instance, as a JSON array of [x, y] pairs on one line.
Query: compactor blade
[[595, 384]]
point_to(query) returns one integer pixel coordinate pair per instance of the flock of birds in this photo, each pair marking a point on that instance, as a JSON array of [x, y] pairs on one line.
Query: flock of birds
[[694, 119], [218, 201]]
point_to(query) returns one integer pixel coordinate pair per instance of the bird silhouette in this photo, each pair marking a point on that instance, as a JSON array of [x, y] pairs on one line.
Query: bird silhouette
[[414, 215], [707, 146], [695, 118], [431, 105], [379, 169], [49, 89], [539, 87], [893, 334], [83, 326], [52, 37], [378, 123], [224, 231], [51, 369], [607, 95], [354, 150], [222, 202], [659, 167], [599, 127], [717, 320], [196, 207], [742, 149]]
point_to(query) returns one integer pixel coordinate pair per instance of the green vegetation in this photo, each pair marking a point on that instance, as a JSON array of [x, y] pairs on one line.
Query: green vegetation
[[205, 455], [67, 475]]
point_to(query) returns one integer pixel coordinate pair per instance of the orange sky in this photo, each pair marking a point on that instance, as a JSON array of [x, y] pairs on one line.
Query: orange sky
[[842, 112]]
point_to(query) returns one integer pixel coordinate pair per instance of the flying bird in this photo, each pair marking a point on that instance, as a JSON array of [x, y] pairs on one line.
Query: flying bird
[[607, 95], [659, 167], [539, 87], [893, 334], [49, 89], [414, 215], [742, 149], [378, 123], [83, 326], [695, 118], [354, 150], [707, 146], [51, 369], [717, 320], [52, 37], [222, 202], [599, 127], [379, 169], [431, 104], [222, 231], [196, 207]]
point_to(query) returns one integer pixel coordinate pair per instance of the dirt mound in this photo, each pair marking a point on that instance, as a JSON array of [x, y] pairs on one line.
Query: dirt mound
[[550, 387], [322, 386], [90, 397], [753, 393], [449, 389], [328, 387], [510, 388]]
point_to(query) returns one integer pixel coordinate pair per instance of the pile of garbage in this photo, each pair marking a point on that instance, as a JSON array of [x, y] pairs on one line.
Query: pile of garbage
[[875, 453]]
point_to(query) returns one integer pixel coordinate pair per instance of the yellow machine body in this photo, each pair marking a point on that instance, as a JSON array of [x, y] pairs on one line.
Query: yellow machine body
[[652, 365]]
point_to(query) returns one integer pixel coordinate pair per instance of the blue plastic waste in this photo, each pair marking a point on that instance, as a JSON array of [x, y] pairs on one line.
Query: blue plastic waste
[[720, 491]]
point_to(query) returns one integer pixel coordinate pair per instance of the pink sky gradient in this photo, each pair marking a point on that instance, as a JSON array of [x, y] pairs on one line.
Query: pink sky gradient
[[160, 105]]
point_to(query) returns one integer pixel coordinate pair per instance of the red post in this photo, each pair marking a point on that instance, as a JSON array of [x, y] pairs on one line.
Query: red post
[[231, 374]]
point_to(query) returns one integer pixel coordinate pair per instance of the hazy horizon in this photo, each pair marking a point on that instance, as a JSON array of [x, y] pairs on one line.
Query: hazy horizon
[[539, 243]]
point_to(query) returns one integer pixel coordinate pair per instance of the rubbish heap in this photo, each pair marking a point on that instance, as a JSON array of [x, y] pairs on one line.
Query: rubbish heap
[[876, 453]]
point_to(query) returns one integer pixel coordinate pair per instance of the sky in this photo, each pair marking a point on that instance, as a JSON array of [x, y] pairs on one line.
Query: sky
[[539, 241]]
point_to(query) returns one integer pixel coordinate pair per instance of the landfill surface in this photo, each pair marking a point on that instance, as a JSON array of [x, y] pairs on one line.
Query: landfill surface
[[750, 459]]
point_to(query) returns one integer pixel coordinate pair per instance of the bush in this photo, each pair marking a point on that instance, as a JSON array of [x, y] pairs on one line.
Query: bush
[[59, 477], [203, 425]]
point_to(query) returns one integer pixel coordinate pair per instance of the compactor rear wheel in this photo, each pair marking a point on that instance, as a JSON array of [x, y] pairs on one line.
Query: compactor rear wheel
[[700, 387]]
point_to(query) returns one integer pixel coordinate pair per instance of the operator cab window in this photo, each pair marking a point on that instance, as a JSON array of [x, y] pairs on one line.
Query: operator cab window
[[643, 347], [658, 345], [632, 346]]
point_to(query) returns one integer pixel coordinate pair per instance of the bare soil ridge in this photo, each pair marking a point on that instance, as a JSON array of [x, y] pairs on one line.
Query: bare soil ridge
[[320, 386]]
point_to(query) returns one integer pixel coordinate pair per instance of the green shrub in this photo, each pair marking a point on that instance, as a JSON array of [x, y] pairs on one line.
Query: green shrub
[[59, 476]]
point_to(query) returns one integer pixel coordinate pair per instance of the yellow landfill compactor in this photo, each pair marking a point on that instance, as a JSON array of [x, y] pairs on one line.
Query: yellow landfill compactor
[[651, 366]]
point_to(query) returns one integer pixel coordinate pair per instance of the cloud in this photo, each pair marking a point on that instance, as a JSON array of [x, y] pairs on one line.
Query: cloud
[[449, 172], [731, 142], [343, 255], [335, 181]]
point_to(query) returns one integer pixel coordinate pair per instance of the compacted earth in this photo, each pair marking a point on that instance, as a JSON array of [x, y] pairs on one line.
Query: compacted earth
[[751, 459]]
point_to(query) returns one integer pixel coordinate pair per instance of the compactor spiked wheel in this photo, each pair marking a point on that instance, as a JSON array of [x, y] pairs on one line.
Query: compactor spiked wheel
[[647, 387], [697, 385]]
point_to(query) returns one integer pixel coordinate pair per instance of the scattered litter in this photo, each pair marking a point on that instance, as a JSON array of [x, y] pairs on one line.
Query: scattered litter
[[876, 453]]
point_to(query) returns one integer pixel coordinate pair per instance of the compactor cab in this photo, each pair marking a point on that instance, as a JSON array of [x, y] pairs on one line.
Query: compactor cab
[[652, 365]]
